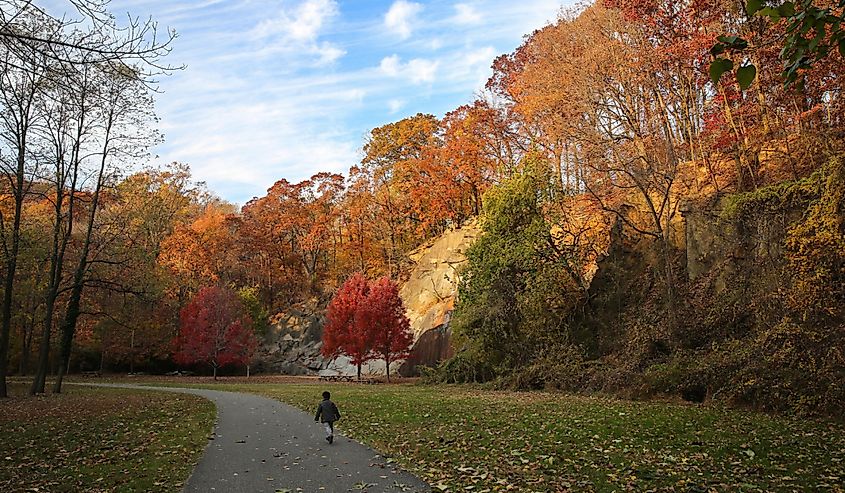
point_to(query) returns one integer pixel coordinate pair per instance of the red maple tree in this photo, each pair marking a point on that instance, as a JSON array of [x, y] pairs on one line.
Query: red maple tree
[[344, 332], [366, 321], [384, 315], [215, 330]]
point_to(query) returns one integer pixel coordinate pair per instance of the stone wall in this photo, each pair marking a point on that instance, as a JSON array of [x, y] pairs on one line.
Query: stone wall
[[731, 247]]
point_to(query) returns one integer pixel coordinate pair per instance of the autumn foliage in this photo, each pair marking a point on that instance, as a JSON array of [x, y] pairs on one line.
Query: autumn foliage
[[215, 330], [384, 312], [366, 320], [588, 160]]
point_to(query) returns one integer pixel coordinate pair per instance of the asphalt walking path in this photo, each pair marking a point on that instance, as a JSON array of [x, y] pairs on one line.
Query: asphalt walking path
[[263, 445]]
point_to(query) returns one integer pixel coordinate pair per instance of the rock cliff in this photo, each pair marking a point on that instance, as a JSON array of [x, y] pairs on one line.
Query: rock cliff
[[430, 294]]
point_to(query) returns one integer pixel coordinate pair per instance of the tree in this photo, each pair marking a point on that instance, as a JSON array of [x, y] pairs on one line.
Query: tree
[[811, 33], [366, 320], [289, 231], [215, 330], [344, 332], [518, 289], [64, 42], [252, 305], [392, 155], [197, 252], [20, 113], [383, 313], [125, 111]]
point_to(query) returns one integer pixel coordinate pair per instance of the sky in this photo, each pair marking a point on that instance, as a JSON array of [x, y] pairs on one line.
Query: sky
[[286, 89]]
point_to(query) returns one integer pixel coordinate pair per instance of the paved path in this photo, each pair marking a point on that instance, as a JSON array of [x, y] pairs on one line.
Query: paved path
[[263, 445]]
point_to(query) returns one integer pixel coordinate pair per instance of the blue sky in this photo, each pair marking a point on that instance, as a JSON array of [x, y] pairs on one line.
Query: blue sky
[[284, 89]]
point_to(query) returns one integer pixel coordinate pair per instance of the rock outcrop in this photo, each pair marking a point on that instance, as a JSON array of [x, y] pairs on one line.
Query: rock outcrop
[[429, 294], [293, 342]]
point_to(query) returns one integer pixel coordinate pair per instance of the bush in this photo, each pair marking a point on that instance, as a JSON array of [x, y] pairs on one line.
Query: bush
[[787, 368], [467, 366], [792, 368], [562, 368]]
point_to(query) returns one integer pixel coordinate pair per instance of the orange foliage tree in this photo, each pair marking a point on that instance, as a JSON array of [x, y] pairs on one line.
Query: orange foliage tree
[[290, 234]]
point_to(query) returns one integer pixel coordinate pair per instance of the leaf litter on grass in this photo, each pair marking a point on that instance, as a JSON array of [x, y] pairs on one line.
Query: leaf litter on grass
[[100, 440], [463, 438]]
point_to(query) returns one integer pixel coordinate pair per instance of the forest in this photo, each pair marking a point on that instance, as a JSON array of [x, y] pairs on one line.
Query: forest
[[652, 225]]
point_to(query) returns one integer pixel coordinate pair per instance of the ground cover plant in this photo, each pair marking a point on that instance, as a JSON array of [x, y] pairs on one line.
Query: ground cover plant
[[463, 438], [99, 440]]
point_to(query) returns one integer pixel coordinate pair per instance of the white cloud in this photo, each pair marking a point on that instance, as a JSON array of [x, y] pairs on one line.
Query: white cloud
[[328, 53], [236, 144], [481, 56], [259, 101], [418, 70], [298, 30], [401, 16], [395, 105], [303, 24], [466, 14], [421, 70], [309, 18], [390, 65], [435, 44]]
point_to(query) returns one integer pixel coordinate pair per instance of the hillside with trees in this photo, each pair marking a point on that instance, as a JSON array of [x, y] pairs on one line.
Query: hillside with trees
[[649, 226]]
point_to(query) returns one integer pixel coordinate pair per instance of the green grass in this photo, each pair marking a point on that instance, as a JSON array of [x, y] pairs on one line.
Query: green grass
[[461, 438], [97, 440]]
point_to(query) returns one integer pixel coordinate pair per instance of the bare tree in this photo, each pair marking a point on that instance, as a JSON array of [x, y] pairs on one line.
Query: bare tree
[[123, 111], [59, 103], [94, 37], [19, 117], [67, 129]]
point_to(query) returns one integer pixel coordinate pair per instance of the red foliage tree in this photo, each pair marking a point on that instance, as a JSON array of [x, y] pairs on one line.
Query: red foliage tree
[[215, 330], [367, 321], [384, 315], [344, 332]]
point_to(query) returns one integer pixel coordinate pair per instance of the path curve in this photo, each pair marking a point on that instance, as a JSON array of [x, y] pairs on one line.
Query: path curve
[[263, 445]]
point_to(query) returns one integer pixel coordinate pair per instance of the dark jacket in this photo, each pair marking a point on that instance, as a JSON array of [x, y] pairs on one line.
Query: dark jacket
[[327, 411]]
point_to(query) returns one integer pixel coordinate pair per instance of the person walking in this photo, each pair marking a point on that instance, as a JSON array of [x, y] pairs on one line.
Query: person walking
[[327, 413]]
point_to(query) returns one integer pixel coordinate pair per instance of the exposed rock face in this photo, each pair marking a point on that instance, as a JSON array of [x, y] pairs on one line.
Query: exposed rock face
[[732, 248], [429, 294], [293, 342], [433, 346]]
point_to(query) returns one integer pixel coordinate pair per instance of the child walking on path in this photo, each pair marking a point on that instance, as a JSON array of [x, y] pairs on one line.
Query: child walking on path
[[329, 414]]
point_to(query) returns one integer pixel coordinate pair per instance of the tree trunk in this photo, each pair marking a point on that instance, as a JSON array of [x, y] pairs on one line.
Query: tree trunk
[[27, 335], [61, 236], [11, 269], [67, 332], [44, 350], [359, 372], [215, 372], [23, 363], [68, 327], [387, 367], [670, 285]]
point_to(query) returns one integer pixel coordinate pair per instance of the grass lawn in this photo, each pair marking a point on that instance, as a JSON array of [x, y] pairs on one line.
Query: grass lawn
[[97, 440], [461, 438]]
